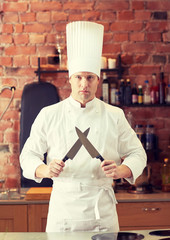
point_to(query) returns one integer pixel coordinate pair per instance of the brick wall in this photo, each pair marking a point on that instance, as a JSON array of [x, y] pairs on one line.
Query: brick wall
[[138, 30]]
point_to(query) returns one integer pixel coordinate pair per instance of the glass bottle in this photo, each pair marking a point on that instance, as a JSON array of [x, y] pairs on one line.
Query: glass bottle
[[149, 137], [146, 93], [166, 176], [134, 94], [113, 93], [105, 88], [154, 90], [168, 94], [139, 129], [122, 92], [140, 94], [162, 89], [128, 93]]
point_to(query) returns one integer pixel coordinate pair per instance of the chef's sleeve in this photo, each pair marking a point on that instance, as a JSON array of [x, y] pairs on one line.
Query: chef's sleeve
[[35, 147], [131, 149]]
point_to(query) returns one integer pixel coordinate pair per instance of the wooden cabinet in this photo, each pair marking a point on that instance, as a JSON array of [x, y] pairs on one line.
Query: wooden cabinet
[[143, 215], [37, 217], [13, 218]]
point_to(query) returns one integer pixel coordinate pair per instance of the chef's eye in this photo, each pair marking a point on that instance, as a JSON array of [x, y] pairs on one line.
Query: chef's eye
[[78, 77], [90, 77]]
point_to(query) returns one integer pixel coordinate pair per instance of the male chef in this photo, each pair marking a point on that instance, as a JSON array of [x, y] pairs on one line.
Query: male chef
[[82, 197]]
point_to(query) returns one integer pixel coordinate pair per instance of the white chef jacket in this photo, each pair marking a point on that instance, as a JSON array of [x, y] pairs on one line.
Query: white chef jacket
[[82, 198]]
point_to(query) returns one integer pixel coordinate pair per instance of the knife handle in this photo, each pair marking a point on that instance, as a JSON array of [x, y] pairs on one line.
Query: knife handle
[[65, 158], [100, 157]]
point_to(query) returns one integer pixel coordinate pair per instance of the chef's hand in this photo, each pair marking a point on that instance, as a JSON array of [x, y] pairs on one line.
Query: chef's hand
[[54, 169], [112, 170]]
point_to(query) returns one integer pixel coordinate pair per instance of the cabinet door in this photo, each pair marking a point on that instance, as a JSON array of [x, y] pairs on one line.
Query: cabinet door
[[37, 217], [13, 218], [145, 215]]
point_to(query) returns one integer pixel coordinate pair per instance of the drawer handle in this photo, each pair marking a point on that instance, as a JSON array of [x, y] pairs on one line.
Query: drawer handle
[[152, 209]]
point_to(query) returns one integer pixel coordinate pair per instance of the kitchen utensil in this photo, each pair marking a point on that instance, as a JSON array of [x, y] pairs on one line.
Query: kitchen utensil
[[118, 236], [73, 151], [89, 147], [160, 233]]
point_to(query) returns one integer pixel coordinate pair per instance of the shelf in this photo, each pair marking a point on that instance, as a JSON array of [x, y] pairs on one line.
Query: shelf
[[144, 105], [40, 70]]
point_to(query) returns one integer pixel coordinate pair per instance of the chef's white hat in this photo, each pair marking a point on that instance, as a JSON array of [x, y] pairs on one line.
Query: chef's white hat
[[84, 47]]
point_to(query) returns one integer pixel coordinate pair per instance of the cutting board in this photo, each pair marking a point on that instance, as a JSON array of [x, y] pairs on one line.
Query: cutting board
[[38, 193]]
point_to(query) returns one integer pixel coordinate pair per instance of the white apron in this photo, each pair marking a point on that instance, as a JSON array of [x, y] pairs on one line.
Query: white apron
[[86, 205]]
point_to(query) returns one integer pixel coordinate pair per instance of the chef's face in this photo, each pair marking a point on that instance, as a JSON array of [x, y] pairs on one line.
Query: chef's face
[[84, 86]]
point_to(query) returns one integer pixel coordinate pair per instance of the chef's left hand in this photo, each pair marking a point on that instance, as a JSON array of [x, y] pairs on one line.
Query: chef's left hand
[[112, 170]]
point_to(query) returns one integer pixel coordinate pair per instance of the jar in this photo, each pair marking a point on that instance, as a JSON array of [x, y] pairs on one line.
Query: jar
[[139, 129], [149, 137]]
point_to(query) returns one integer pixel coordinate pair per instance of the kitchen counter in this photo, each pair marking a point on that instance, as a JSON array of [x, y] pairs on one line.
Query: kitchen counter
[[66, 236], [121, 196]]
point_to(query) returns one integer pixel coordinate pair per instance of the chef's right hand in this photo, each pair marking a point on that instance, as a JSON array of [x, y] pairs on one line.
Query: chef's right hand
[[55, 167]]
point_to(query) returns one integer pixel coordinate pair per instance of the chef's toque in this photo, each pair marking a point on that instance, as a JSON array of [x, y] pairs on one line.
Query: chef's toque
[[84, 47]]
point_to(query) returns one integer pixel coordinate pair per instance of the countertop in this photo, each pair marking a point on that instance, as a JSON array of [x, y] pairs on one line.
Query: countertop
[[67, 236], [121, 196]]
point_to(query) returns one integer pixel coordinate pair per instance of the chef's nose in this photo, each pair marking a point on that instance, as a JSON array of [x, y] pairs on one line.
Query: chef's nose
[[84, 82]]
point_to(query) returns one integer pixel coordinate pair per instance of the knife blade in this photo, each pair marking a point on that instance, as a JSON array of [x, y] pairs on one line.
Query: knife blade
[[88, 145], [75, 148]]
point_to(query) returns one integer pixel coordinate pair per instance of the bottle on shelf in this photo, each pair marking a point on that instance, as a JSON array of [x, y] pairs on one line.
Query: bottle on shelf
[[105, 88], [122, 92], [113, 93], [146, 93], [139, 129], [154, 90], [140, 94], [128, 93], [166, 175], [150, 137], [134, 94], [117, 97], [162, 89], [130, 119], [168, 94]]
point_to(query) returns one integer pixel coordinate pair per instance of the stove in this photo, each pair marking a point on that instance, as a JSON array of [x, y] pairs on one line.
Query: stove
[[134, 235]]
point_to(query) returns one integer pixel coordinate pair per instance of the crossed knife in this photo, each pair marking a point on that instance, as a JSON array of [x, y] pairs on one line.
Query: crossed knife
[[82, 140]]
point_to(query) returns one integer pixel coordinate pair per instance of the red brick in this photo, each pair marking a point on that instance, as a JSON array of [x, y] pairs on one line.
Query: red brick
[[7, 28], [37, 38], [126, 26], [17, 50], [166, 36], [19, 28], [44, 50], [162, 48], [112, 48], [59, 16], [158, 26], [137, 36], [60, 27], [108, 16], [78, 5], [127, 59], [121, 37], [6, 61], [158, 5], [15, 7], [75, 17], [5, 39], [45, 6], [24, 71], [138, 5], [22, 60], [142, 69], [43, 17], [142, 15], [21, 39], [112, 5], [141, 58], [37, 28], [142, 47], [154, 36], [125, 15], [11, 17], [27, 17], [92, 16]]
